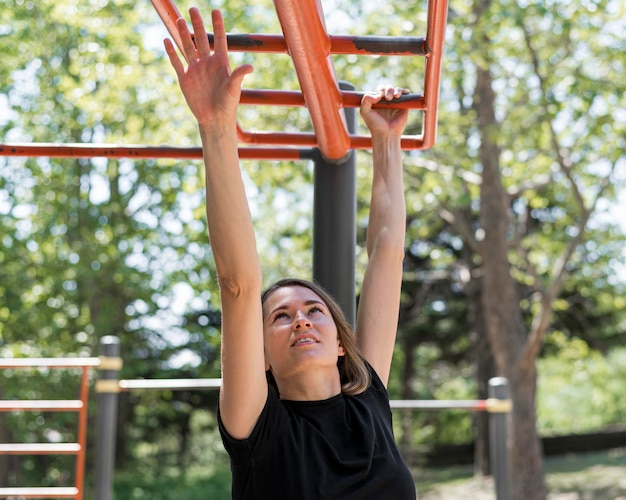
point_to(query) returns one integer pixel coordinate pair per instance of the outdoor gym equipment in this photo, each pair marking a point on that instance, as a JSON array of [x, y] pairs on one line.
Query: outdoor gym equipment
[[306, 40]]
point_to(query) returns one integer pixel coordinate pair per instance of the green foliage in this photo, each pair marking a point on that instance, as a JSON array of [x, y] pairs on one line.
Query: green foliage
[[211, 482], [581, 379]]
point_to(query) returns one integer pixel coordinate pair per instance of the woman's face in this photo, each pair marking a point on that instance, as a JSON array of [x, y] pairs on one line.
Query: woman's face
[[299, 332]]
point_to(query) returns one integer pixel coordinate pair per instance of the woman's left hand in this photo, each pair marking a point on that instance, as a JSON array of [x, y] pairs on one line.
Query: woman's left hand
[[384, 120]]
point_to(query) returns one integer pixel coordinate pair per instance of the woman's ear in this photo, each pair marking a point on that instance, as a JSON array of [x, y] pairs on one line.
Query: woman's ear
[[340, 350]]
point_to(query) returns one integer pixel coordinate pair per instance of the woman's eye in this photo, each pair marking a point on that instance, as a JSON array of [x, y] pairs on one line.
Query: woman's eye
[[280, 315], [314, 309]]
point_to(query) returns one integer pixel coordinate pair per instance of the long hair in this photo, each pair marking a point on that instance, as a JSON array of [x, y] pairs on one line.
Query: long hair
[[353, 372]]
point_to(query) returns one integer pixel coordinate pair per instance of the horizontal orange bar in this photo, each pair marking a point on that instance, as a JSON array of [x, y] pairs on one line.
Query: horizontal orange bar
[[339, 44], [349, 99], [36, 150]]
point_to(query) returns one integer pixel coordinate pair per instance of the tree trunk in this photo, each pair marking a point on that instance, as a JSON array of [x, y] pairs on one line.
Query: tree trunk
[[525, 452], [501, 306]]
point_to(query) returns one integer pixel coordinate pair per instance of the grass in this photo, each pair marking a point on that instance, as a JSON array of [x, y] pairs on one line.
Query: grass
[[593, 476], [196, 484]]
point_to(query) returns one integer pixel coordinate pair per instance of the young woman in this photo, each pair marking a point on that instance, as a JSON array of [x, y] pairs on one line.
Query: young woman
[[303, 409]]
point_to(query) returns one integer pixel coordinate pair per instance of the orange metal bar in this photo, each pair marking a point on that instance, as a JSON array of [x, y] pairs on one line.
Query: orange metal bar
[[36, 150], [339, 44], [349, 99], [435, 36], [169, 14], [309, 45], [302, 23], [82, 433], [378, 45]]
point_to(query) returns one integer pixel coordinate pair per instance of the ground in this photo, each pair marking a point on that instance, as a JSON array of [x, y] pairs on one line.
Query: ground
[[595, 476]]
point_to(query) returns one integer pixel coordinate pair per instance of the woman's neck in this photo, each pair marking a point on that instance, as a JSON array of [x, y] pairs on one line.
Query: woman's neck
[[314, 384]]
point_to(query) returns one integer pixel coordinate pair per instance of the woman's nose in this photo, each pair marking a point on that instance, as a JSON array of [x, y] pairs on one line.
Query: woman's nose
[[301, 321]]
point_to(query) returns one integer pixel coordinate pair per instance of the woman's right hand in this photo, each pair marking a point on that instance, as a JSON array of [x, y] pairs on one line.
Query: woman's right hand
[[211, 90]]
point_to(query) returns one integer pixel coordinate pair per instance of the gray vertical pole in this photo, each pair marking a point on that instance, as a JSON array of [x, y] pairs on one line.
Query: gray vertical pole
[[499, 407], [334, 223], [107, 389]]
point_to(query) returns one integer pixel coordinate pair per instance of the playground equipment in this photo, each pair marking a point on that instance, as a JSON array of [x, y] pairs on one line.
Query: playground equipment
[[107, 389], [310, 47], [76, 448]]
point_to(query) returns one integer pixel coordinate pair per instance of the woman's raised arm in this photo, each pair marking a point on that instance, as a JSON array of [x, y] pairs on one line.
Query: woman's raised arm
[[377, 318], [212, 92]]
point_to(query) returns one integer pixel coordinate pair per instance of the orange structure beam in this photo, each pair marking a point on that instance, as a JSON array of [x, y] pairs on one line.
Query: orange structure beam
[[308, 43]]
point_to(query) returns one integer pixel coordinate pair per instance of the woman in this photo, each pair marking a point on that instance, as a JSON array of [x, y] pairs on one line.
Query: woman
[[303, 408]]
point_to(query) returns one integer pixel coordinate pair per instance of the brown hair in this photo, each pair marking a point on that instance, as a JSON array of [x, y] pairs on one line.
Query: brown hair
[[353, 371]]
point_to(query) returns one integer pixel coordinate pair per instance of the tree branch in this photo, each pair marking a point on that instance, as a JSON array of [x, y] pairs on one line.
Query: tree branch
[[558, 273]]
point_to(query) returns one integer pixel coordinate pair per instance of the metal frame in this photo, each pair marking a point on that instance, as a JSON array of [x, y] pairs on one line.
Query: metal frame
[[310, 46], [108, 386], [77, 448]]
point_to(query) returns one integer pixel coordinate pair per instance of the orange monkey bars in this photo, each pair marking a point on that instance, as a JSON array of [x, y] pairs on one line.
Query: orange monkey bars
[[306, 40]]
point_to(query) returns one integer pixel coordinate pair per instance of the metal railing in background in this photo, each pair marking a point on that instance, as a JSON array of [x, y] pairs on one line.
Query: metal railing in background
[[498, 405], [108, 386]]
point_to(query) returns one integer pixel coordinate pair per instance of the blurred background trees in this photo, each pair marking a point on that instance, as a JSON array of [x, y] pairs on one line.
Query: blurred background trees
[[514, 245]]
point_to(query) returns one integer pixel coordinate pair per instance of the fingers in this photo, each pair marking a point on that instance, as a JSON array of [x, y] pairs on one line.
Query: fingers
[[188, 48], [196, 45], [219, 32], [173, 56], [200, 36], [389, 92]]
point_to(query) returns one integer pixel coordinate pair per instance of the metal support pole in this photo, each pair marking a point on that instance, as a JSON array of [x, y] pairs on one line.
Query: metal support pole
[[107, 389], [498, 413], [334, 224]]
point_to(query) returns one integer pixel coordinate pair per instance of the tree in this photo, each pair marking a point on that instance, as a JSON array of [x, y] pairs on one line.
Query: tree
[[521, 102]]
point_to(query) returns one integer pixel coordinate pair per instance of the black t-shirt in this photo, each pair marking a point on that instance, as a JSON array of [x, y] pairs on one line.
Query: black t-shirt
[[338, 448]]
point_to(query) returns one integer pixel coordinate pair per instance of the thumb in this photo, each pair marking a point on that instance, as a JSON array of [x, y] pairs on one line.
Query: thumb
[[239, 73], [368, 101]]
